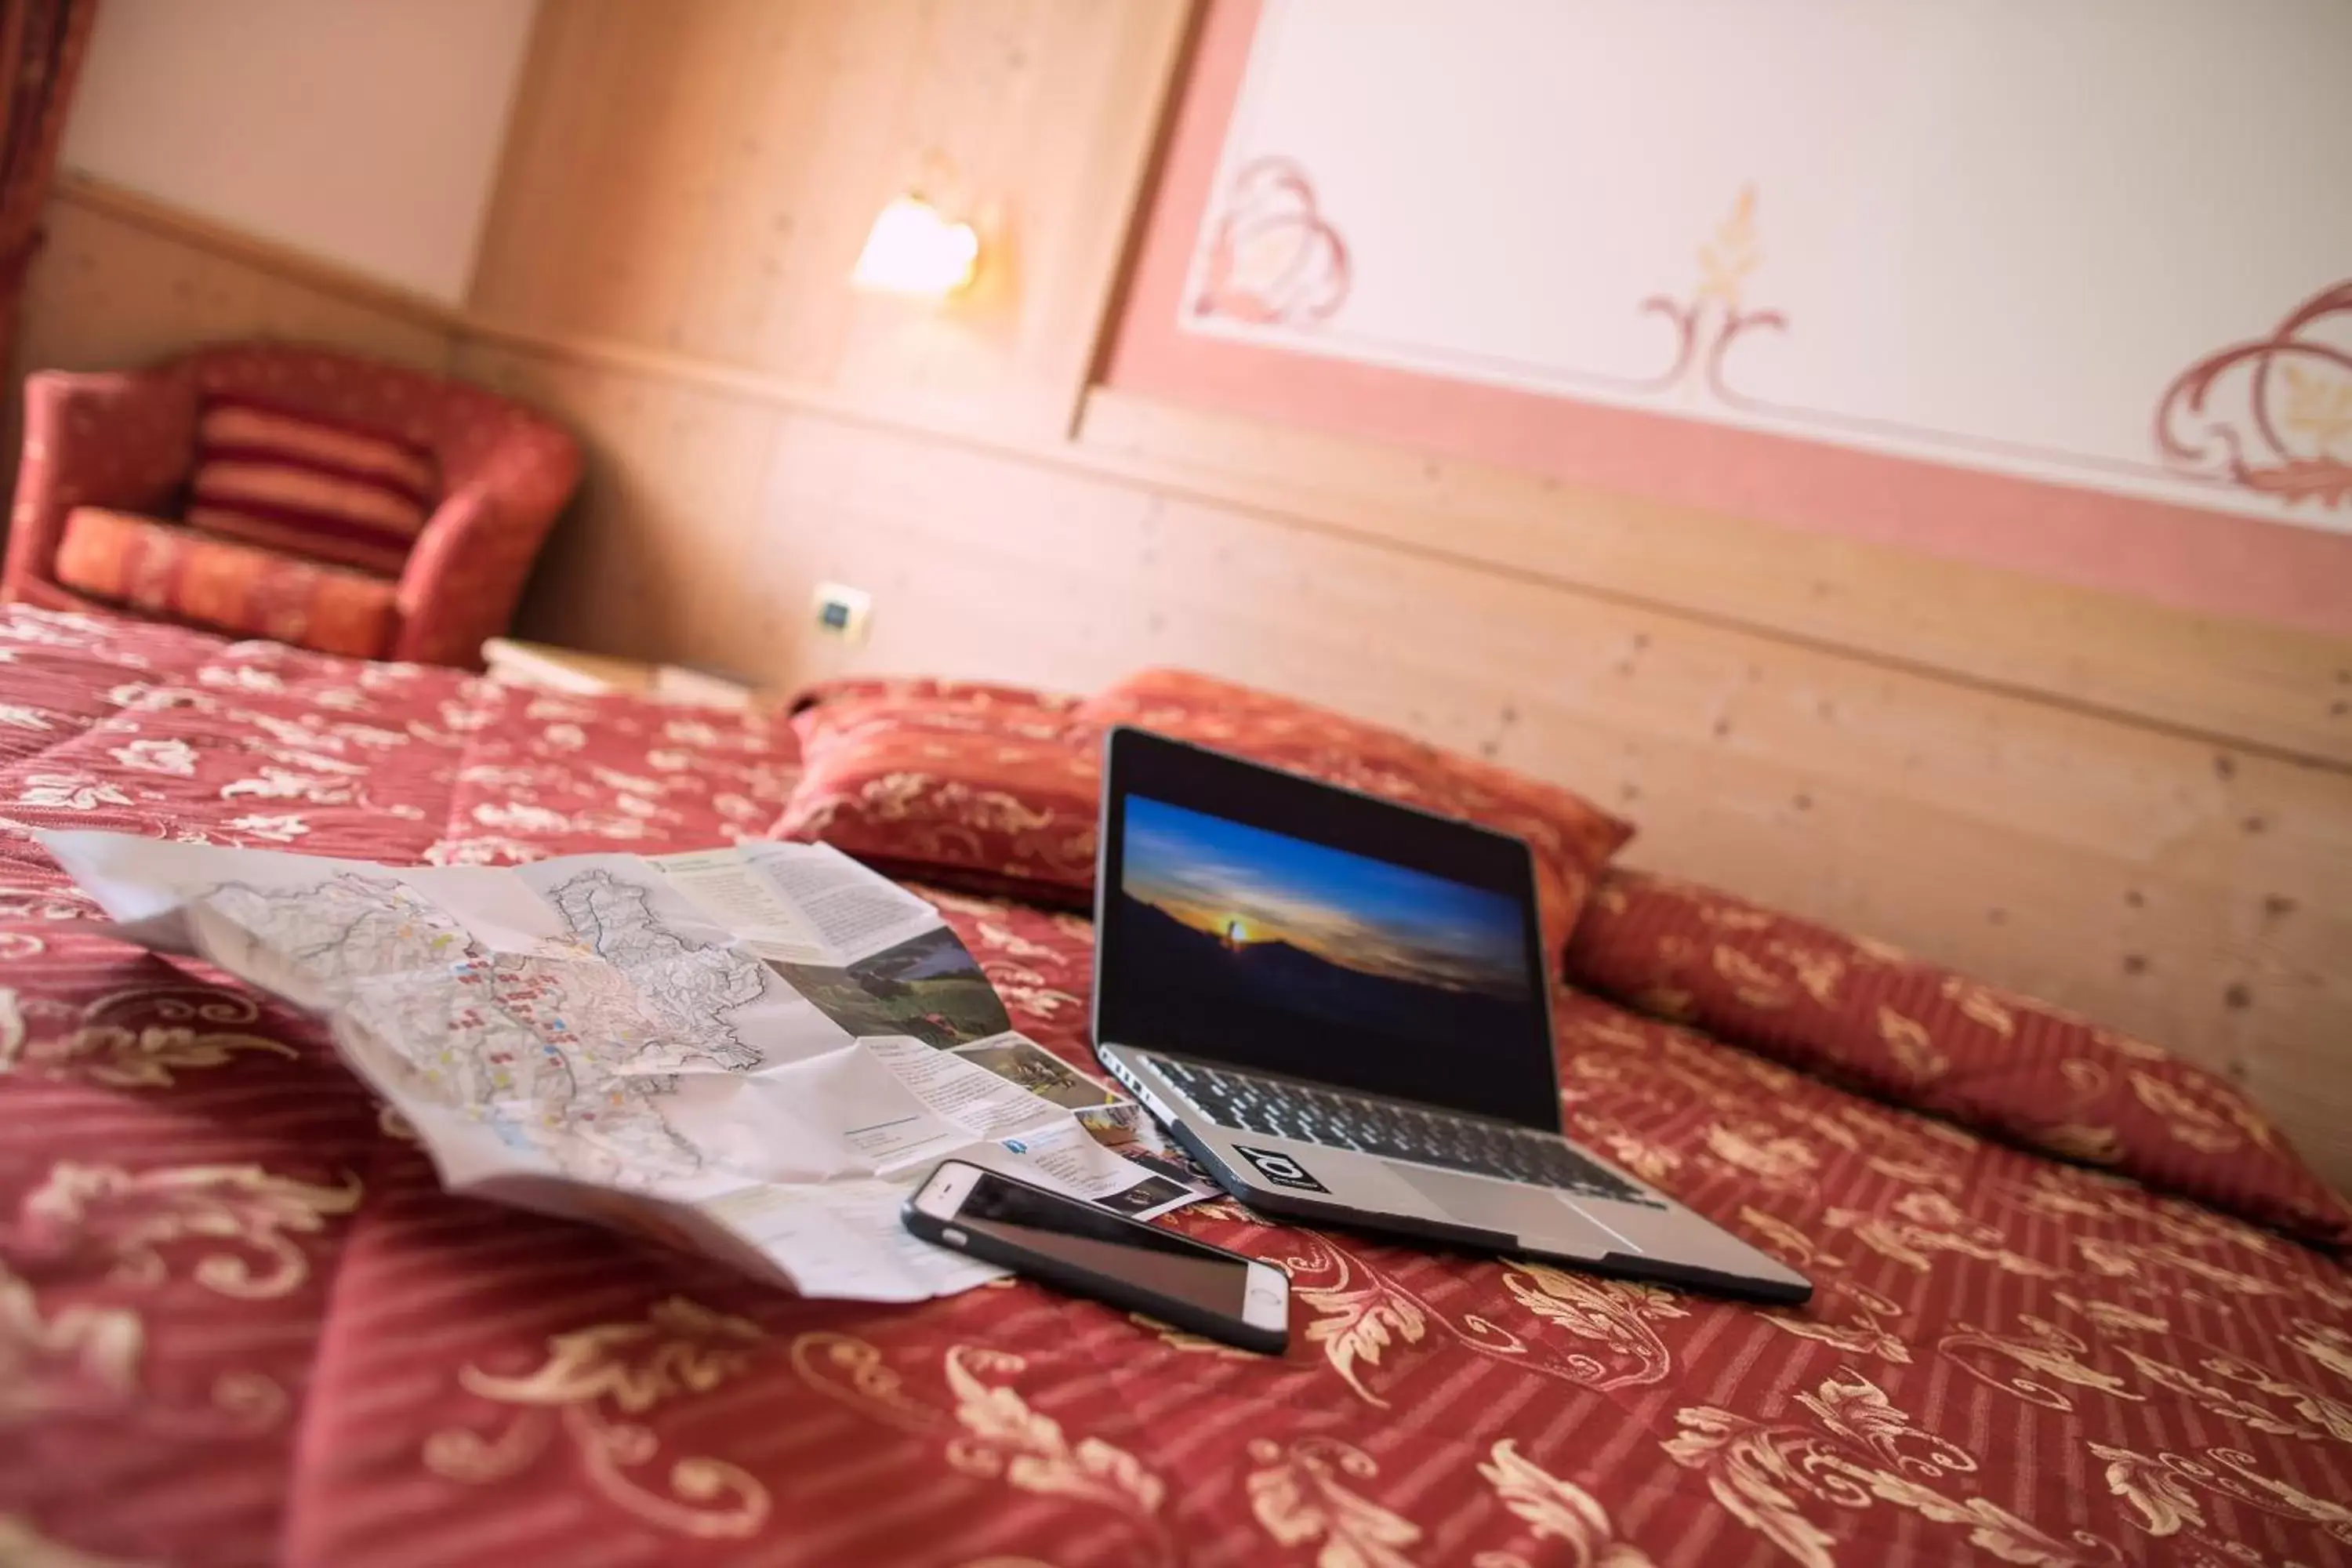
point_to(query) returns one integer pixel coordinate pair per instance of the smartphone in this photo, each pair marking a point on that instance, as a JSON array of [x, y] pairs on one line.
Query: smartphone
[[1092, 1252]]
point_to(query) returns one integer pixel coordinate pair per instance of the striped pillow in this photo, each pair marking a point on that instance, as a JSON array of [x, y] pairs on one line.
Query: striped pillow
[[294, 482]]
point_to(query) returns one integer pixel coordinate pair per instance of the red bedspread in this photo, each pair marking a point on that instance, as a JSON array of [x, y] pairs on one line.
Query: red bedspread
[[239, 1323]]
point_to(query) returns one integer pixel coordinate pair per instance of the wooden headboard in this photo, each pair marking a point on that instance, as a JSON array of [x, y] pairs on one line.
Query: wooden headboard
[[2139, 813]]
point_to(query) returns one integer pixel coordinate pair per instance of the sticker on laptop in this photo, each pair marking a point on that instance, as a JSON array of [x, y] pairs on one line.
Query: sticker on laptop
[[1281, 1170]]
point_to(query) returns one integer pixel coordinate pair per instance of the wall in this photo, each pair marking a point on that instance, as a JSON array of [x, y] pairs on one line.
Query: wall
[[2069, 295], [121, 280], [699, 180], [364, 132], [2142, 813]]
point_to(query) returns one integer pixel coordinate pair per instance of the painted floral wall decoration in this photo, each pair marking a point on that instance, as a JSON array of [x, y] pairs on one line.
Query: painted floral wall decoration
[[1273, 259], [1714, 314], [2273, 415]]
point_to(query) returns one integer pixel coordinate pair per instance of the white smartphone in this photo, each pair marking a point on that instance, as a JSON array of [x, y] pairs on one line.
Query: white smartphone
[[1092, 1252]]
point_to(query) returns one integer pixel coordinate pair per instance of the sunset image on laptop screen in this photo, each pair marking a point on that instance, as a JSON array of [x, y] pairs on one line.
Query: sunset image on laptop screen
[[1220, 910]]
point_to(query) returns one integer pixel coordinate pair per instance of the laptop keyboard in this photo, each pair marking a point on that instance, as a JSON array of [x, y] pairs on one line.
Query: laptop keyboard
[[1340, 1121]]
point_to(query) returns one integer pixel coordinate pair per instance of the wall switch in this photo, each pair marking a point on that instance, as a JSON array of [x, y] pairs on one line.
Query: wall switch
[[843, 612]]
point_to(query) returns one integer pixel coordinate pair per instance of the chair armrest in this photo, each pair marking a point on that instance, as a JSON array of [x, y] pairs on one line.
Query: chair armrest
[[462, 580], [467, 573], [124, 440]]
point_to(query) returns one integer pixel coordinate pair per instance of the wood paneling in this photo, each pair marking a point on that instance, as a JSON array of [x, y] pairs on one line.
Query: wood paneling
[[699, 179], [120, 282], [2270, 688], [2195, 895]]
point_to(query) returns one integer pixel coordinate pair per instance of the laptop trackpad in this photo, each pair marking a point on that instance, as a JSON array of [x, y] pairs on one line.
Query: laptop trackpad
[[1530, 1213]]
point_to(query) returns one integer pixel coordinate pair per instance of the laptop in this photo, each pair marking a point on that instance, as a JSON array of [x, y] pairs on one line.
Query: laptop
[[1338, 1007]]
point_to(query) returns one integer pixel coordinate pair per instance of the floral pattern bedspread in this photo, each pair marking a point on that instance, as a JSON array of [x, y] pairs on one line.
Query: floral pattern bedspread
[[240, 1324]]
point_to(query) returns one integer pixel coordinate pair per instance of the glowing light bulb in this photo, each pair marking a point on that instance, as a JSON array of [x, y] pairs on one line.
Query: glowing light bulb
[[913, 248]]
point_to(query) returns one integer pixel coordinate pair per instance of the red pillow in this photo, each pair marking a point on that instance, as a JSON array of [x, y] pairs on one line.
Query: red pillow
[[927, 691], [1861, 1013], [972, 784]]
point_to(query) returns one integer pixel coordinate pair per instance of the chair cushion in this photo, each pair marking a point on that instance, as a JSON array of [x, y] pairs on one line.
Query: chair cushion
[[179, 574], [330, 489]]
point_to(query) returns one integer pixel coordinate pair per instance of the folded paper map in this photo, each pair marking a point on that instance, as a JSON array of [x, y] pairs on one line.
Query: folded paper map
[[755, 1053]]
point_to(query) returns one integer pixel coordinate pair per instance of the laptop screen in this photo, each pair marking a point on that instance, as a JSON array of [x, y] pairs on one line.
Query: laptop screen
[[1264, 921]]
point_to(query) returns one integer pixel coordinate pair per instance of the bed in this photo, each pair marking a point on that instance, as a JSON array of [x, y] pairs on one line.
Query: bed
[[239, 1322]]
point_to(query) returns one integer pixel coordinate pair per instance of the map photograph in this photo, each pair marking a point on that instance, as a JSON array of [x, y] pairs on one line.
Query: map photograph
[[1039, 1071], [1128, 1130], [1219, 912], [1144, 1196], [928, 986]]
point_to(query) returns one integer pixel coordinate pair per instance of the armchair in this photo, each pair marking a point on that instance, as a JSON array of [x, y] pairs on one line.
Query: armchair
[[107, 456]]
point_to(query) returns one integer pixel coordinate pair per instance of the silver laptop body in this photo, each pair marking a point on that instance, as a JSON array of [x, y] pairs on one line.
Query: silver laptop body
[[1229, 963]]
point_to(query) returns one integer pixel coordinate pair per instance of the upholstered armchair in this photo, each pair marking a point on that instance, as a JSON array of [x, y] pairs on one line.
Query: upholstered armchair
[[110, 473]]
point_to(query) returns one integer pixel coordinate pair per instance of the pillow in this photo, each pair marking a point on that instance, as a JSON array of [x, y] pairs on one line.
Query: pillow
[[1858, 1012], [295, 483], [987, 787], [926, 691], [994, 787]]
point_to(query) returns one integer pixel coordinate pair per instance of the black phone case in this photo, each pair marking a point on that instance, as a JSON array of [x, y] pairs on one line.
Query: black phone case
[[1106, 1288]]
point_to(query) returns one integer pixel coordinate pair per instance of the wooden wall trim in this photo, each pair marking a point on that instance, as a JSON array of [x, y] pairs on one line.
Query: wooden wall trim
[[1163, 58], [2268, 691], [270, 256]]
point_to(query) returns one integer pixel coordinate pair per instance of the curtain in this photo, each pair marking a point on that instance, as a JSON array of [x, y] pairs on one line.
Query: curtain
[[41, 45]]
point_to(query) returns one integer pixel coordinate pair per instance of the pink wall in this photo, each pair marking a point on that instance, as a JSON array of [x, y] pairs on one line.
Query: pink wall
[[2177, 555]]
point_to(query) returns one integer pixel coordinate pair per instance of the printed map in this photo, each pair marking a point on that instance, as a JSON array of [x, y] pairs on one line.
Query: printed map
[[757, 1052], [569, 1058], [694, 985]]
